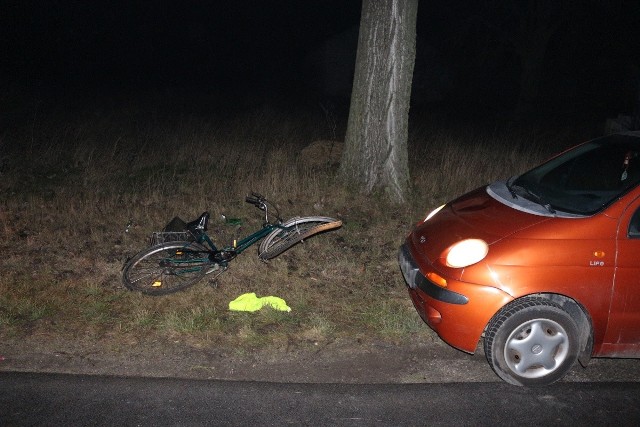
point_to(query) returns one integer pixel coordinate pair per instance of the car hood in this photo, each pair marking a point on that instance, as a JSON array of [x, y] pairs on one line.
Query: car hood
[[476, 215]]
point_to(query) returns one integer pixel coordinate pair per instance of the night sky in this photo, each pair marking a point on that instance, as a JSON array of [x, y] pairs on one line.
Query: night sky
[[276, 51]]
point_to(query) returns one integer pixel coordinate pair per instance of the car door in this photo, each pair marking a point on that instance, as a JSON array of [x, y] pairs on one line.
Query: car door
[[622, 338]]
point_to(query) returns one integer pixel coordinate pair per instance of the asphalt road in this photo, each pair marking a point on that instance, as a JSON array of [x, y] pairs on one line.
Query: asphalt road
[[70, 400]]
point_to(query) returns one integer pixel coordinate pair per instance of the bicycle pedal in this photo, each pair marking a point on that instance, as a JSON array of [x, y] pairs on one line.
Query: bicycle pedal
[[215, 268]]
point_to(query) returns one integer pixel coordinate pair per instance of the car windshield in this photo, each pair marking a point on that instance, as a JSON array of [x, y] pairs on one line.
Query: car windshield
[[585, 179]]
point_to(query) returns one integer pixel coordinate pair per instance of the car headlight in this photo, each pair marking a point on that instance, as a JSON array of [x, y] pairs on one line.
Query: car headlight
[[433, 212], [466, 252]]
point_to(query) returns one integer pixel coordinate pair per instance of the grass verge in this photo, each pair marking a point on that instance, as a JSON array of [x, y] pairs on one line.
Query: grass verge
[[80, 194]]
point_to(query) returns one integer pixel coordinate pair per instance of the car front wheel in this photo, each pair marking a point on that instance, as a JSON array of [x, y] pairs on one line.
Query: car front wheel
[[531, 342]]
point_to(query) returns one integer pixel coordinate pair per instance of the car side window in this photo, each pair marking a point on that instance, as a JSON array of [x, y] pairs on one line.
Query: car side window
[[634, 225]]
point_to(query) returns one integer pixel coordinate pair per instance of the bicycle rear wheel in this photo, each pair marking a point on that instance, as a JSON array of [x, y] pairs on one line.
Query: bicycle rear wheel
[[166, 268], [295, 230]]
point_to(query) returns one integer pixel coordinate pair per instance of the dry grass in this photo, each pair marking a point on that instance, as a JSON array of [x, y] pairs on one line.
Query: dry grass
[[80, 194]]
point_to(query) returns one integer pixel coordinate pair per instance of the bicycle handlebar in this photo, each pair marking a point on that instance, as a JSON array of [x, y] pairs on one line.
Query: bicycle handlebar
[[255, 199], [259, 201]]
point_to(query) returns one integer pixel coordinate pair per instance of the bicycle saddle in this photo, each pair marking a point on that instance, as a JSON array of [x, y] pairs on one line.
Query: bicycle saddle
[[200, 224]]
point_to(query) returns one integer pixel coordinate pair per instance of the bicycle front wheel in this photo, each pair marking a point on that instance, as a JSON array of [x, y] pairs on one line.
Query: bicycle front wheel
[[166, 268], [293, 231]]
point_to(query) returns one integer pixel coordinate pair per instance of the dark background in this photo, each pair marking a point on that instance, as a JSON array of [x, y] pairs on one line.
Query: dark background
[[235, 55]]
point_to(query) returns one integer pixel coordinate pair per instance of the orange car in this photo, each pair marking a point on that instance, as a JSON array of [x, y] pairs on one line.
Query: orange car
[[544, 266]]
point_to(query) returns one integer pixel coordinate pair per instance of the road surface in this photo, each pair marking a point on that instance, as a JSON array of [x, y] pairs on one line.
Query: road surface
[[58, 399]]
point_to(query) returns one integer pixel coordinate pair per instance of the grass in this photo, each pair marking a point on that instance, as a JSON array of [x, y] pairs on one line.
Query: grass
[[82, 192]]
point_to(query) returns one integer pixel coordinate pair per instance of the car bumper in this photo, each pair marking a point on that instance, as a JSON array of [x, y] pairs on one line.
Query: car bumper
[[458, 313]]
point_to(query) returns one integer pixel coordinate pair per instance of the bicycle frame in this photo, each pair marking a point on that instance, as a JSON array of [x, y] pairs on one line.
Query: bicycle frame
[[229, 252], [236, 249], [241, 245]]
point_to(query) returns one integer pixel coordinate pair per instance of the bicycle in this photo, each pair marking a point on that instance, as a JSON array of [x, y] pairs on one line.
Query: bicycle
[[179, 259]]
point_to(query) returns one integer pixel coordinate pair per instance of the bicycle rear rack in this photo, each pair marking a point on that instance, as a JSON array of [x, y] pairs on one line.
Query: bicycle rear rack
[[159, 237]]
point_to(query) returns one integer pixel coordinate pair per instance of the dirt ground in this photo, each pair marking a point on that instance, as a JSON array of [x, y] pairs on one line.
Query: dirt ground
[[335, 362]]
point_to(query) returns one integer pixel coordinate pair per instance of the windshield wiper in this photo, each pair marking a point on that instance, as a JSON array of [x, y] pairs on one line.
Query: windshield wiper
[[514, 189], [509, 184]]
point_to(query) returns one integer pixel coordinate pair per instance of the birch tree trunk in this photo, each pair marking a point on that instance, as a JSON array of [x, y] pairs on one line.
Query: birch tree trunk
[[375, 156]]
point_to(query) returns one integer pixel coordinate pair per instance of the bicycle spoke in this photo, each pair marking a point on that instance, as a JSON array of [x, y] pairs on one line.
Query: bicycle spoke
[[295, 231], [166, 268]]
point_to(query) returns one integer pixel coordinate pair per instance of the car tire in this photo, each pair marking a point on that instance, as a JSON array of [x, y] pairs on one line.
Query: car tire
[[531, 342]]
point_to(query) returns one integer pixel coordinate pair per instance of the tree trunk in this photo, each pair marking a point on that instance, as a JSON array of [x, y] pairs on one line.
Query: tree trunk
[[375, 155]]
